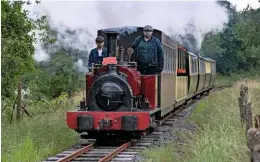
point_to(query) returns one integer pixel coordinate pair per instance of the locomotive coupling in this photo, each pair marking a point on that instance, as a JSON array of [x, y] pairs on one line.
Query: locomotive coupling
[[105, 123]]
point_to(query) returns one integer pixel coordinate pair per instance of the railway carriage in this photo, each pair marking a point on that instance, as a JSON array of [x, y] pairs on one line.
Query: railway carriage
[[120, 101], [208, 72], [211, 71], [201, 75], [193, 74]]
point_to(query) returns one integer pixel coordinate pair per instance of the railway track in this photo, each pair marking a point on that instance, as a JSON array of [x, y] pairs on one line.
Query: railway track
[[120, 151]]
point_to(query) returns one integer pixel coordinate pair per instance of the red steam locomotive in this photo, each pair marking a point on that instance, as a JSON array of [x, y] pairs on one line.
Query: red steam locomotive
[[121, 102]]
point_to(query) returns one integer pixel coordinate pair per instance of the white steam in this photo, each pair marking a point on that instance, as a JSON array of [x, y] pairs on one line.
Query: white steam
[[87, 17], [40, 53], [80, 66]]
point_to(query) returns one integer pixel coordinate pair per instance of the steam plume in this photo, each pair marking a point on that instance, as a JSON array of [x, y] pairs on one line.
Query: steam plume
[[173, 18]]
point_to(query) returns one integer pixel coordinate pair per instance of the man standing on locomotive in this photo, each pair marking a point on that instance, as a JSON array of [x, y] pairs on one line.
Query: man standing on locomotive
[[148, 52], [97, 54]]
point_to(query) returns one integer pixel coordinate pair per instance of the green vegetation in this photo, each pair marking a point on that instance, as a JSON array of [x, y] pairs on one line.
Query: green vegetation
[[226, 80], [237, 48], [52, 86], [219, 135], [49, 87], [34, 139], [44, 79]]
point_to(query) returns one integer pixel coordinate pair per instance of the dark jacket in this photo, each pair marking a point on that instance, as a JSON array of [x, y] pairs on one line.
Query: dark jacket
[[94, 58], [151, 61]]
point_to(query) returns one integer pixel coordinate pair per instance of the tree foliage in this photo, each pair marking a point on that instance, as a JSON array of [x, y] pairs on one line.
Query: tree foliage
[[47, 79], [237, 48], [51, 79], [17, 44]]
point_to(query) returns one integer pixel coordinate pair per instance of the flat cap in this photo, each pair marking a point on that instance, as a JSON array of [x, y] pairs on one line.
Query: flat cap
[[148, 28]]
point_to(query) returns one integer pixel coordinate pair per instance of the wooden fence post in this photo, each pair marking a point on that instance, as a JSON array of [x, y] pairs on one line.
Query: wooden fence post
[[246, 114], [253, 136], [257, 121], [249, 116], [243, 101]]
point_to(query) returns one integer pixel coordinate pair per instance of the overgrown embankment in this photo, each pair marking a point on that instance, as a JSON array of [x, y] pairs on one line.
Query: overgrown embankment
[[219, 135], [43, 135]]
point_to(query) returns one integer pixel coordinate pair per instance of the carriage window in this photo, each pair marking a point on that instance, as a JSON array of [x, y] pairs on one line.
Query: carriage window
[[164, 53], [202, 66], [174, 59], [167, 60], [181, 61], [194, 65], [171, 60]]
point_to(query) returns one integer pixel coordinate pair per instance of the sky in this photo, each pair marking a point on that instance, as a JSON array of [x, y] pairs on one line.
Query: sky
[[241, 4], [171, 17]]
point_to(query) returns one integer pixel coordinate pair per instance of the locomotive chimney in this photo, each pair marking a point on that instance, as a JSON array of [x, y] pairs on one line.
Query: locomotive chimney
[[111, 43]]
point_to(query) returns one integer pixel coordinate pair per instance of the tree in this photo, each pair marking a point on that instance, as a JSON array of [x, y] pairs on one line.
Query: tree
[[17, 44], [247, 31]]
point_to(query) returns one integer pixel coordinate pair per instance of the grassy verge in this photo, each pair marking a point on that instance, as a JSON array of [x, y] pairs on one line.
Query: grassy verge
[[219, 136], [223, 80], [34, 139]]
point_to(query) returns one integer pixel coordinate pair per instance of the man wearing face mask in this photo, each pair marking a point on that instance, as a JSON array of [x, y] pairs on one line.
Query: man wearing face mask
[[97, 54], [148, 53]]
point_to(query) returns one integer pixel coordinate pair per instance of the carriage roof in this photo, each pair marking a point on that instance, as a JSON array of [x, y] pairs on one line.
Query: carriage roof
[[192, 54], [129, 30], [165, 39], [209, 59]]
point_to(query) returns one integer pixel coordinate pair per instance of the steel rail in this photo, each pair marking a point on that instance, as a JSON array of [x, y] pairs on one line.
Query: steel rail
[[76, 153], [115, 152]]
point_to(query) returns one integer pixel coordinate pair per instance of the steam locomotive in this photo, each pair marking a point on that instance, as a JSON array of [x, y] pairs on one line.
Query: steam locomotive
[[121, 102]]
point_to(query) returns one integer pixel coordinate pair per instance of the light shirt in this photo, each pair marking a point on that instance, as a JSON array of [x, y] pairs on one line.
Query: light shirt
[[147, 39], [99, 52]]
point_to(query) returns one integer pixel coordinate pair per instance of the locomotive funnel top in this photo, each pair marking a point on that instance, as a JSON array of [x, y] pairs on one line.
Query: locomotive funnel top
[[111, 42]]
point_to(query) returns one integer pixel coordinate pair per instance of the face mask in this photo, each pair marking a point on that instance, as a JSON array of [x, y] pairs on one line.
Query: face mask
[[148, 34]]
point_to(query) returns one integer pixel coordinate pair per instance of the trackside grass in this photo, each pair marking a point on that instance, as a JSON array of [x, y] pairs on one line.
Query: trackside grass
[[34, 139], [219, 136]]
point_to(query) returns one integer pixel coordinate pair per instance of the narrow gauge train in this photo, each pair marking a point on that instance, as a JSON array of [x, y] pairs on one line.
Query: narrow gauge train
[[121, 102]]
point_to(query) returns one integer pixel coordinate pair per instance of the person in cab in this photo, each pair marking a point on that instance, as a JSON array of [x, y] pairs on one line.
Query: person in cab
[[97, 54], [148, 53]]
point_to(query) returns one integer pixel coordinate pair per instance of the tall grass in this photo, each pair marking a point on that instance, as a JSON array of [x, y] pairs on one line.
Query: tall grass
[[219, 136], [34, 139]]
